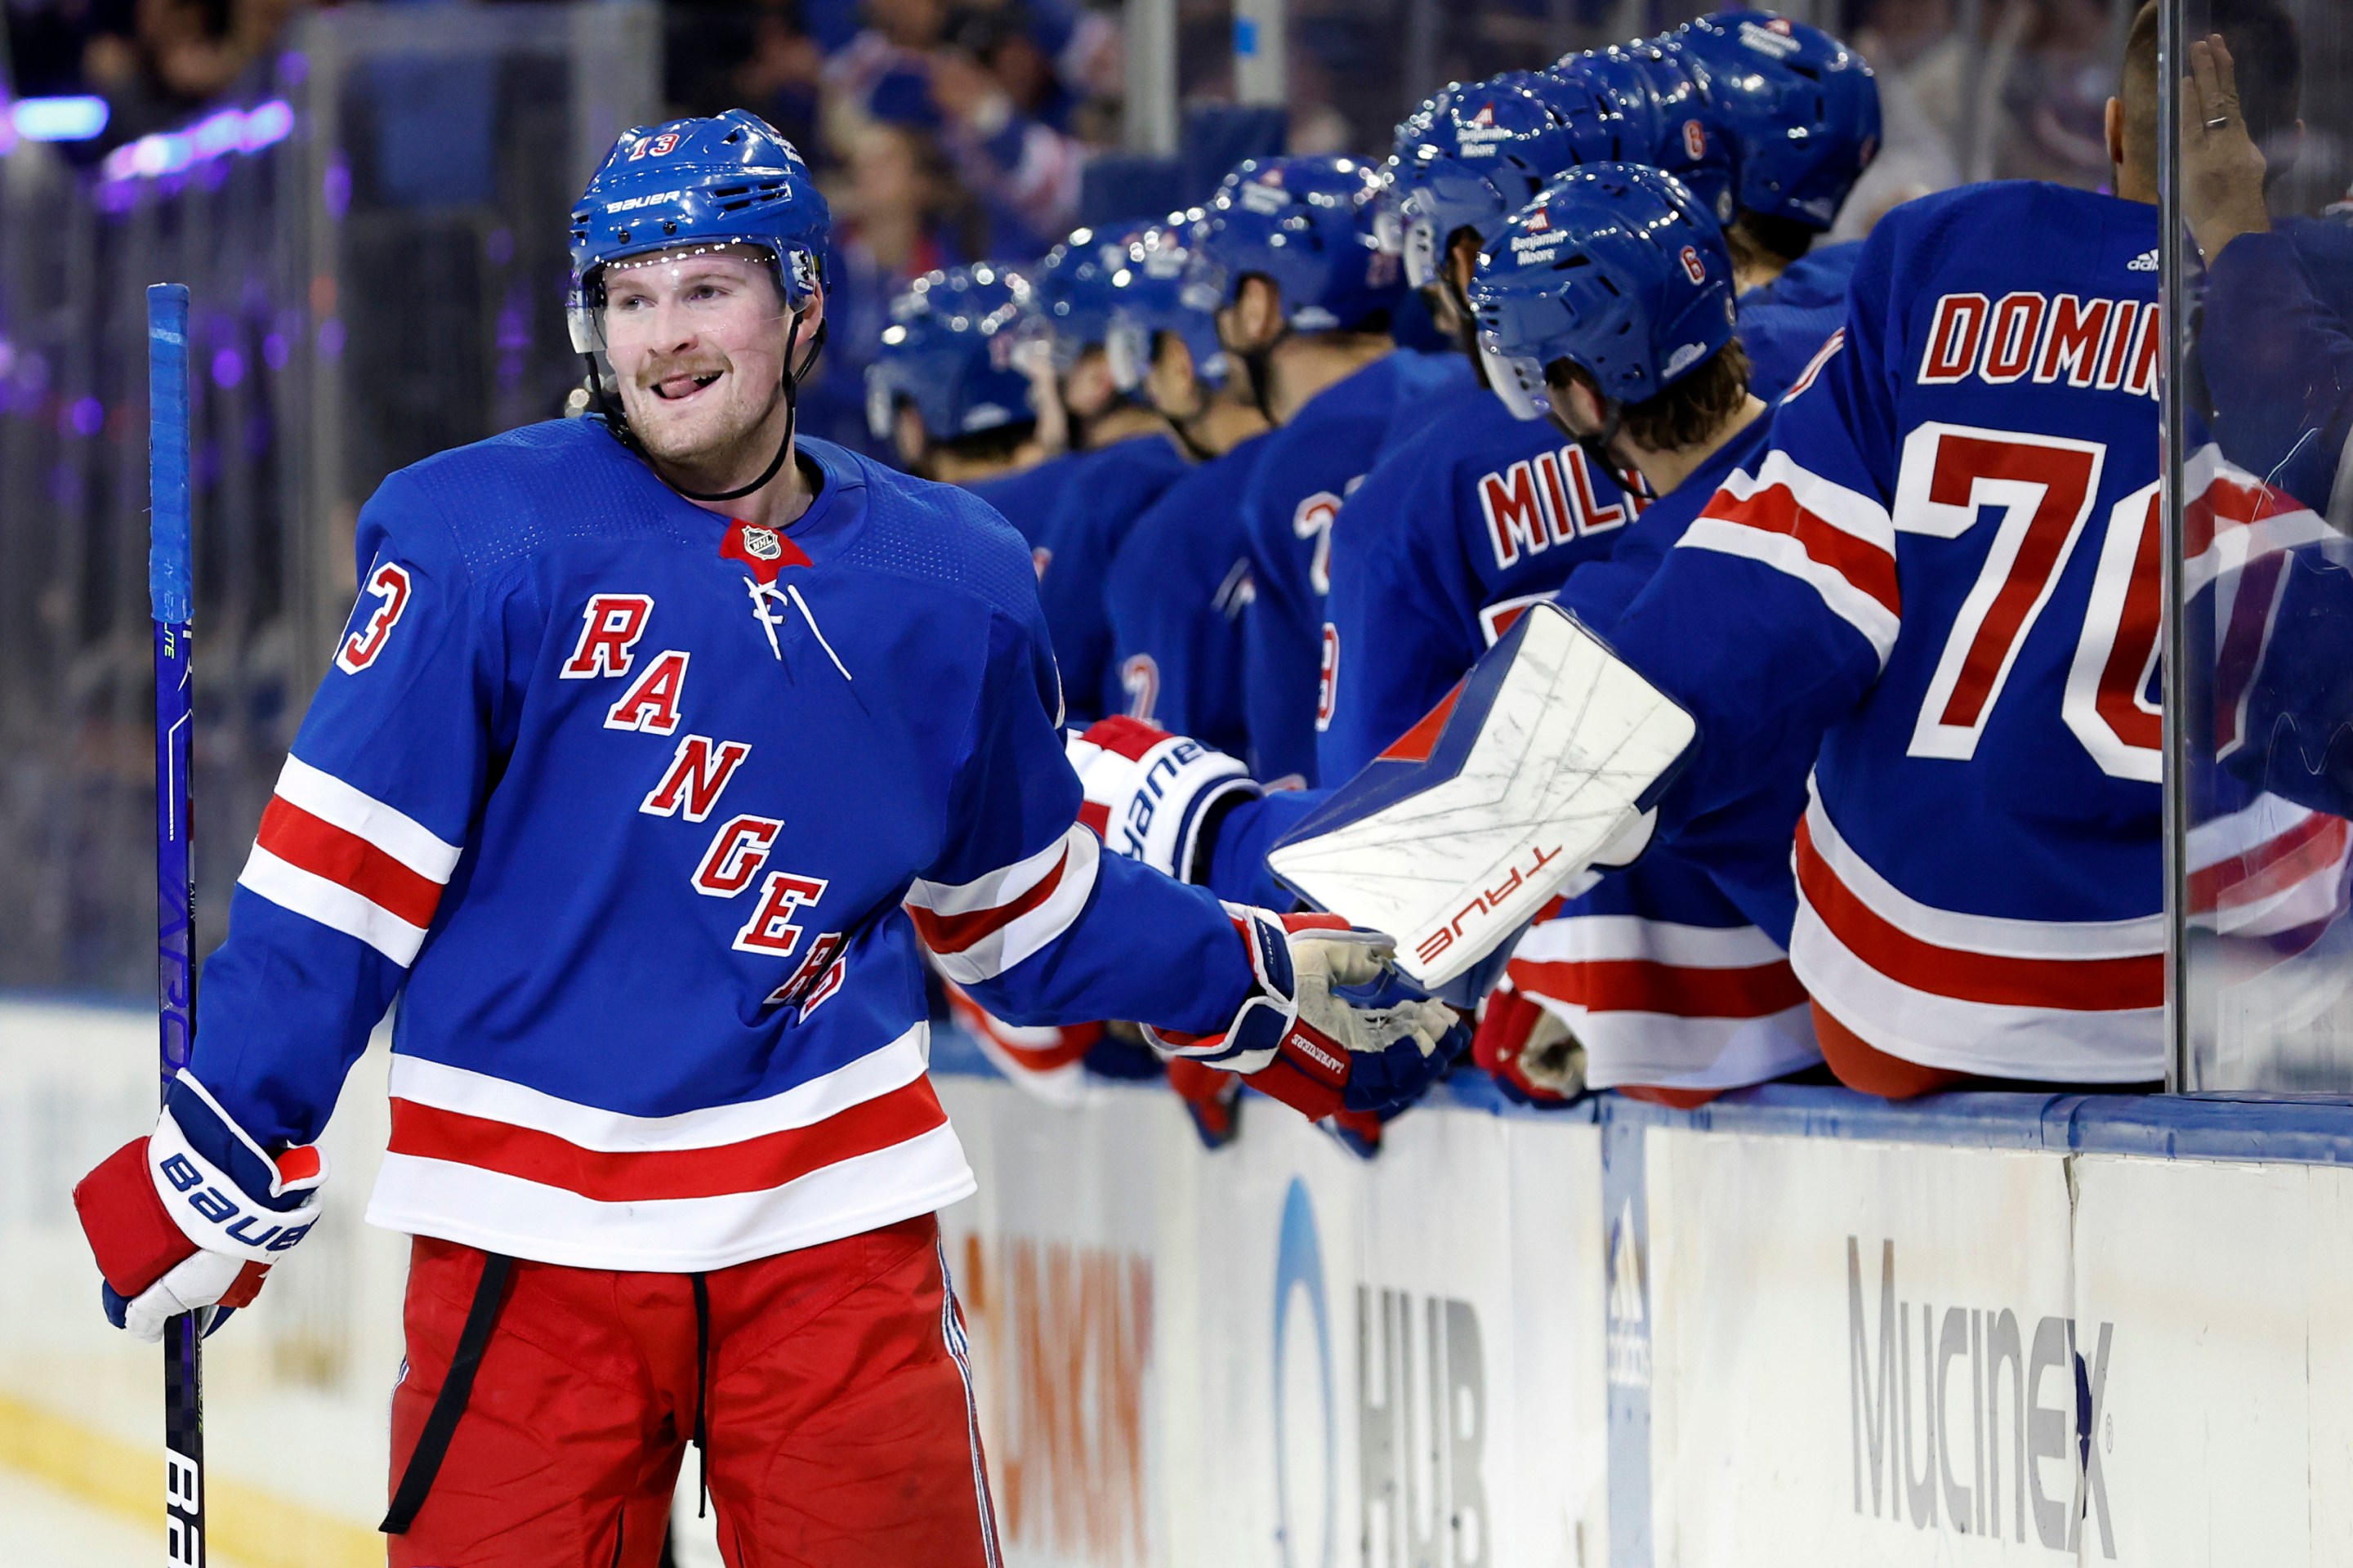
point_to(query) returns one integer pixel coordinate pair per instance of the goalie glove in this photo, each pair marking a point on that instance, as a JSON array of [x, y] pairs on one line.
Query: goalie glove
[[190, 1218], [1155, 797], [1331, 1026], [1531, 1053]]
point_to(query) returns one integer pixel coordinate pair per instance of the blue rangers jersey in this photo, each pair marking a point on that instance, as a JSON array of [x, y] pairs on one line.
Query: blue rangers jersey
[[1937, 587], [1177, 595], [1674, 972], [641, 813], [1108, 491], [1456, 530], [1308, 468], [1784, 322], [1027, 497]]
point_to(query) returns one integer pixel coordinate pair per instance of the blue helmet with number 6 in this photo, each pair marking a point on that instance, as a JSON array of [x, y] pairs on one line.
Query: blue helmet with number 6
[[1484, 151], [1309, 225], [1801, 108], [1670, 118], [950, 350], [1617, 269], [1148, 298]]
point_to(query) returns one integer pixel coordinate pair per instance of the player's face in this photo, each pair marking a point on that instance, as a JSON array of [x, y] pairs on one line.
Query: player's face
[[1089, 389], [1170, 383], [697, 343]]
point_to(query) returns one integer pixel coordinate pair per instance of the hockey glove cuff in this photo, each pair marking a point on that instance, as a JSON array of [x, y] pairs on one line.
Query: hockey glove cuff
[[1330, 1025], [191, 1217], [1156, 797]]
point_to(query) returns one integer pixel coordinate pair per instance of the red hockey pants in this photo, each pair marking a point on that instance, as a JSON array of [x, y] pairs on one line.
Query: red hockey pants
[[836, 1410]]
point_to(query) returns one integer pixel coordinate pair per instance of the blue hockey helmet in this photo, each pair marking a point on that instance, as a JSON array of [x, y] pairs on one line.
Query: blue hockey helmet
[[1616, 268], [950, 351], [1075, 291], [1308, 225], [699, 185], [1802, 109], [1148, 298], [729, 179], [1668, 116], [1484, 152]]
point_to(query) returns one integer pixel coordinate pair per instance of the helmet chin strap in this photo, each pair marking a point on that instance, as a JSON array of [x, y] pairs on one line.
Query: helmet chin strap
[[790, 387], [1597, 447], [1259, 363]]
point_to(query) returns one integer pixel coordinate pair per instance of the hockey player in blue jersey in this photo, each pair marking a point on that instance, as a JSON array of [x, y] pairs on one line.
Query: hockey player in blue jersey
[[1130, 457], [654, 745], [1181, 582], [1307, 319], [1672, 973]]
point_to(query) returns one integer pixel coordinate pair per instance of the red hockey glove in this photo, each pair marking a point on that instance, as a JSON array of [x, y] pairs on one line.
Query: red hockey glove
[[1212, 1098], [1531, 1053], [1331, 1024], [190, 1217], [1155, 797]]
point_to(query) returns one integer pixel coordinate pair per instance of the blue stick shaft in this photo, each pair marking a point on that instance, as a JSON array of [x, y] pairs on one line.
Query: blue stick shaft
[[170, 594]]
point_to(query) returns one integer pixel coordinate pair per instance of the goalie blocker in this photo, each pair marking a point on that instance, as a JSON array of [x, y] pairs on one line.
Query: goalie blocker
[[1545, 762]]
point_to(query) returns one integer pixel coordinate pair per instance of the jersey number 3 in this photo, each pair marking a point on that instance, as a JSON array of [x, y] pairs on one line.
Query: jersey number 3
[[2043, 489], [388, 585]]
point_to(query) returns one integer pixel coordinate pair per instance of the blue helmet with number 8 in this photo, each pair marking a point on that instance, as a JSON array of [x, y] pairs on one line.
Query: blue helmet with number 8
[[1616, 268], [1670, 118]]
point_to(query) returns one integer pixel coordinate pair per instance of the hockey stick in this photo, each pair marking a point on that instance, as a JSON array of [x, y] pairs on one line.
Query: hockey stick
[[171, 593]]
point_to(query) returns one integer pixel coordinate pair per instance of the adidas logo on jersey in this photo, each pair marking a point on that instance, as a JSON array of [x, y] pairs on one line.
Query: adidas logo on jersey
[[2144, 262]]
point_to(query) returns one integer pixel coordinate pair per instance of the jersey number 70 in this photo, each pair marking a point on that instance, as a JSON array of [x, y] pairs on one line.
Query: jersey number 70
[[2043, 488]]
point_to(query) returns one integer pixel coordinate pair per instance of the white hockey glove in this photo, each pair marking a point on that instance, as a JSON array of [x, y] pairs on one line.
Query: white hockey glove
[[1153, 796], [1331, 1025], [190, 1218]]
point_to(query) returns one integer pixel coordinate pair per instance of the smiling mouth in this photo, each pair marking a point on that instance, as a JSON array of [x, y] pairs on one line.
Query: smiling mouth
[[681, 386]]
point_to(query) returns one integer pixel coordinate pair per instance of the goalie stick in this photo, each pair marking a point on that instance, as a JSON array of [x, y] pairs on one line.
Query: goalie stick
[[171, 593]]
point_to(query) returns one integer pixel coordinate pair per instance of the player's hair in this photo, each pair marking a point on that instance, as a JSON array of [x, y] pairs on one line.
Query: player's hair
[[2269, 56], [1687, 413], [1764, 238], [995, 445]]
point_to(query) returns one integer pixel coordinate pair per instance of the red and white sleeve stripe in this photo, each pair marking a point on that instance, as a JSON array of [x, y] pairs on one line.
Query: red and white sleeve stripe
[[346, 859], [981, 929], [1839, 541]]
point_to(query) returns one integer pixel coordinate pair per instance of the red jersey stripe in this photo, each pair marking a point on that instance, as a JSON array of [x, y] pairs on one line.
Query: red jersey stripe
[[754, 1165], [318, 846], [2270, 867], [955, 933], [1637, 985], [2076, 985], [1774, 509]]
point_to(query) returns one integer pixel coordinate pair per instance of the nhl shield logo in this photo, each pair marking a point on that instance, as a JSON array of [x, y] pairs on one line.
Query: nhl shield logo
[[762, 543]]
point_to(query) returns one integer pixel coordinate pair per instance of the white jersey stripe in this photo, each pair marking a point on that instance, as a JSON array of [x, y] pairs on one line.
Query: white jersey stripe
[[1591, 938], [876, 1073], [331, 904], [1786, 555], [404, 838], [1024, 935], [992, 891]]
